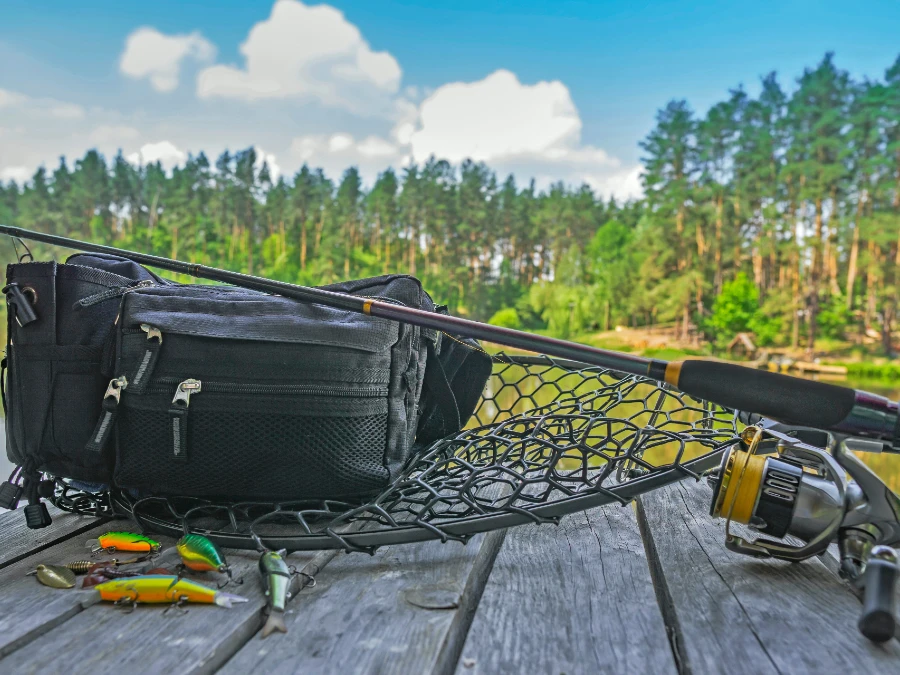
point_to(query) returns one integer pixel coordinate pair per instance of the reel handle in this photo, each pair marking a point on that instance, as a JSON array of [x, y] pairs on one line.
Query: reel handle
[[878, 620]]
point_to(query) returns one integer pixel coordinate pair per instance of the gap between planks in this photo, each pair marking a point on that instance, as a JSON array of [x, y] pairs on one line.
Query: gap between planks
[[730, 613]]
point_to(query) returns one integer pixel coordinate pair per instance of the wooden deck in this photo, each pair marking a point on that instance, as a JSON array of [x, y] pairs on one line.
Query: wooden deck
[[648, 588]]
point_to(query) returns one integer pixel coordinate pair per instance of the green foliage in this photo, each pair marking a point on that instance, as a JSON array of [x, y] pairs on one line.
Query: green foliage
[[735, 308], [567, 310], [507, 317], [770, 324], [834, 318]]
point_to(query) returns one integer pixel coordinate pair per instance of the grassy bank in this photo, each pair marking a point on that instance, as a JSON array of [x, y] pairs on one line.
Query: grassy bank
[[887, 370]]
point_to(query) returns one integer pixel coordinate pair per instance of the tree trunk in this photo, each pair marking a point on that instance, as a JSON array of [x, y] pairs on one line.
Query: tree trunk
[[870, 285], [720, 207], [854, 255], [303, 245], [814, 282], [320, 225], [887, 327]]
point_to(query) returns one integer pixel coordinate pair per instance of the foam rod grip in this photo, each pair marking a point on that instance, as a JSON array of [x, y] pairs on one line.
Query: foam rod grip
[[782, 397]]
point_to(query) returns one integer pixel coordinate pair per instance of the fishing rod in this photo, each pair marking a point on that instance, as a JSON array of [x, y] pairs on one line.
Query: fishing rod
[[791, 472], [785, 398]]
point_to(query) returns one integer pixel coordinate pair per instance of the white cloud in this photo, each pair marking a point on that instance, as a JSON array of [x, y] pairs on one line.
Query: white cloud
[[11, 98], [306, 52], [151, 54], [530, 130], [495, 117], [270, 160], [164, 152], [340, 142], [67, 111], [111, 134], [337, 152], [373, 146], [20, 174]]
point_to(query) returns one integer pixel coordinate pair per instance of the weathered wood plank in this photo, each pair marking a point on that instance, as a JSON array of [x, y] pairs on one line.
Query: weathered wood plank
[[577, 598], [17, 541], [405, 610], [103, 639], [29, 609], [729, 613]]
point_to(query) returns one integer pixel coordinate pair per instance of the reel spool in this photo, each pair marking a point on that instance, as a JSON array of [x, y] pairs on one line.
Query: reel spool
[[792, 484]]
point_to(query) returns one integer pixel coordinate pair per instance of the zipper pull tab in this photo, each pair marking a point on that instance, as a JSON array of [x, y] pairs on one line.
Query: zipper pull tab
[[107, 414], [152, 332], [114, 390], [184, 391], [148, 362], [178, 416]]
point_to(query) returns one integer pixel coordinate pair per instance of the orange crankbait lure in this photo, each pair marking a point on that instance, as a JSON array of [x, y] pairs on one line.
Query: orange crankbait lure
[[157, 589], [123, 541]]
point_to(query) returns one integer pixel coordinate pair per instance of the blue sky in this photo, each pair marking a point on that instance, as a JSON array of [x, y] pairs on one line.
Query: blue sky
[[615, 64]]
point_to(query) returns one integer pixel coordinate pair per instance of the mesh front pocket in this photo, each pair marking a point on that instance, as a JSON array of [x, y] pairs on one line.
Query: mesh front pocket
[[238, 453]]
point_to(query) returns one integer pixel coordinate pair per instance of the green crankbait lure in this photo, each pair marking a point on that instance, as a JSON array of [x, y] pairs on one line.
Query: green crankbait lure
[[277, 580], [123, 541], [201, 555]]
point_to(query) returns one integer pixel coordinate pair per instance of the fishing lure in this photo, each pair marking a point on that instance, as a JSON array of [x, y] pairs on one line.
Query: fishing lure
[[55, 576], [158, 589], [84, 566], [201, 555], [102, 572], [276, 578], [123, 541]]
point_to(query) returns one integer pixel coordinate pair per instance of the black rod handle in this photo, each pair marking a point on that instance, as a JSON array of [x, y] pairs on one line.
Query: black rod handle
[[788, 399], [782, 397]]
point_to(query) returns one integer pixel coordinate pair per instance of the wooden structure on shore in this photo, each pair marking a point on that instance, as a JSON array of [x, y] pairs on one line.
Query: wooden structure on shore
[[645, 588]]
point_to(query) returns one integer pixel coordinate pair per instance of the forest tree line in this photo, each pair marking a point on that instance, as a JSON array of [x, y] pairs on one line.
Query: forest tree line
[[778, 214]]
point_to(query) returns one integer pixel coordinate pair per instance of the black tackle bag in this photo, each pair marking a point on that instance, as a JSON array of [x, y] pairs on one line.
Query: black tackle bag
[[221, 392]]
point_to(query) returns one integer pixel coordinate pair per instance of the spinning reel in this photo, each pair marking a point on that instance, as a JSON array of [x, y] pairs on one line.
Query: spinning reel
[[793, 483]]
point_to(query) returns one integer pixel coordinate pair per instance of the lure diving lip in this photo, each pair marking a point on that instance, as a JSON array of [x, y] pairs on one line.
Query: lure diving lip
[[276, 578], [123, 541], [159, 589]]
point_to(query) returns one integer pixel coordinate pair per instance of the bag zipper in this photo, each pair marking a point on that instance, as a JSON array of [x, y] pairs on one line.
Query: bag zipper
[[115, 292], [178, 415], [163, 385]]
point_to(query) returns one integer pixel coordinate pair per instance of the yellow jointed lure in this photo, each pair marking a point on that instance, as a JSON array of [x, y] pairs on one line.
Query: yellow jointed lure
[[157, 589], [123, 541]]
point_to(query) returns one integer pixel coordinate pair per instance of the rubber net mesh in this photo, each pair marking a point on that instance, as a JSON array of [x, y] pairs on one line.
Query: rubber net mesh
[[548, 438]]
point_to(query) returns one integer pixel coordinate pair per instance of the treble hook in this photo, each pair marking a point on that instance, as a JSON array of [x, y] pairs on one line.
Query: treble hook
[[179, 605]]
